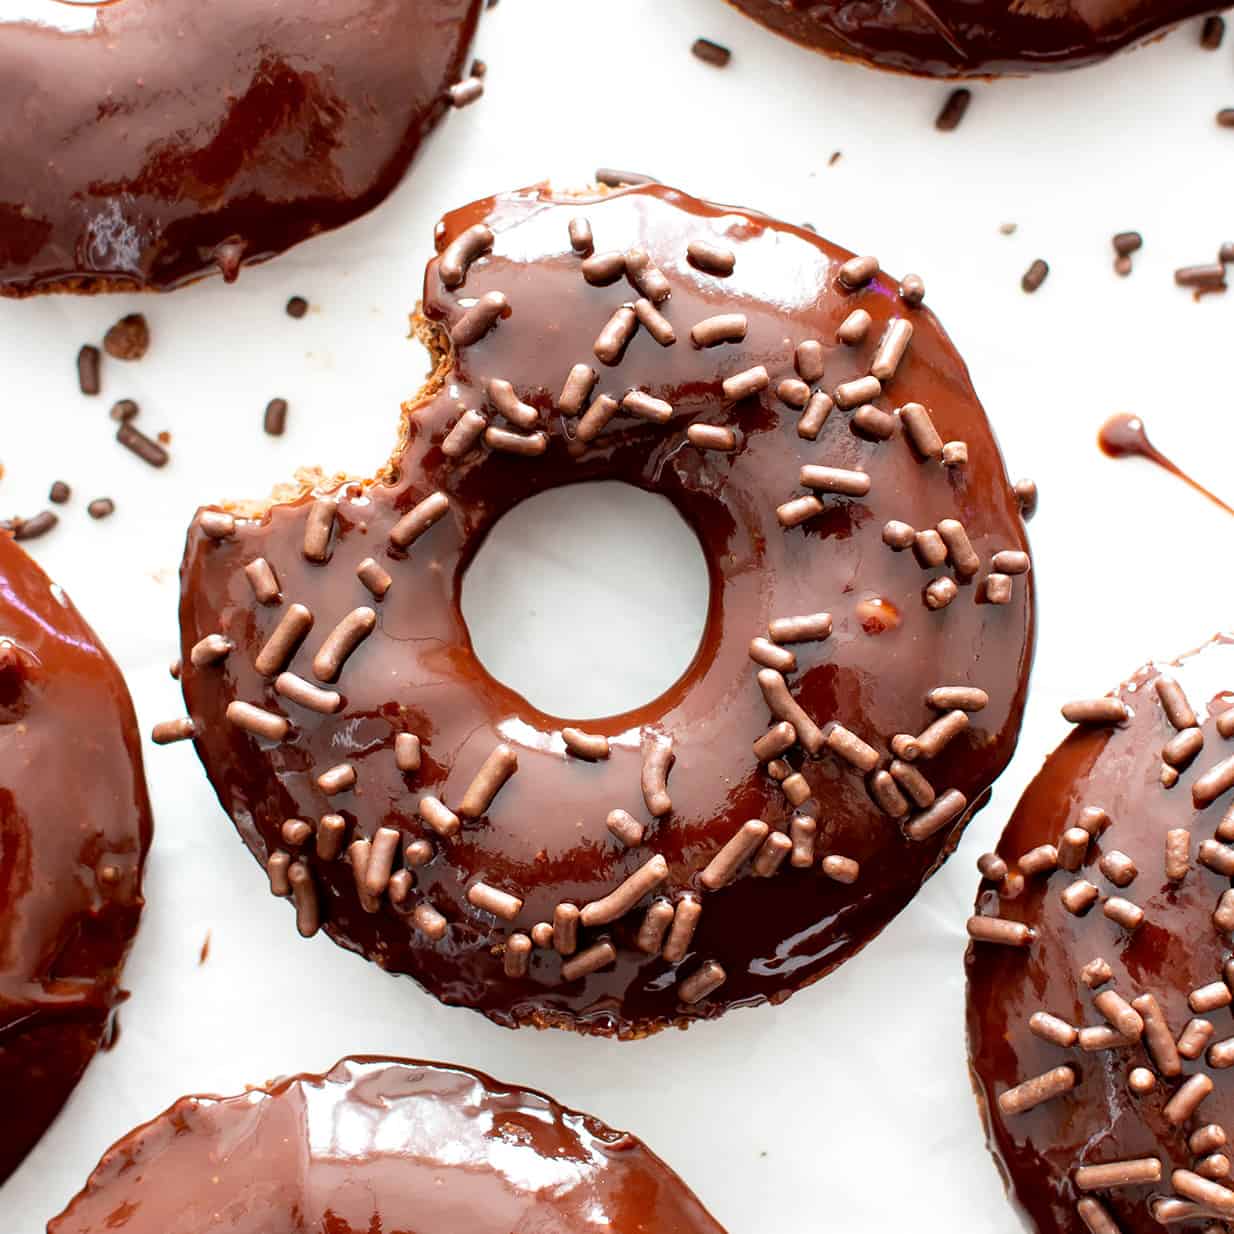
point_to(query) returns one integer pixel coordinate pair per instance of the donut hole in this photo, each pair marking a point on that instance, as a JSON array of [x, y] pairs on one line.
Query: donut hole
[[589, 600]]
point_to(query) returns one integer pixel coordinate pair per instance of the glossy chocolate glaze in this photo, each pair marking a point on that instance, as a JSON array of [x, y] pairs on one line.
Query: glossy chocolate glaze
[[1176, 949], [74, 830], [150, 142], [545, 839], [382, 1144], [972, 38]]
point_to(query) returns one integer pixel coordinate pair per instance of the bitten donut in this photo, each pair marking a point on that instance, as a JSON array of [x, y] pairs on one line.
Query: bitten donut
[[74, 830], [972, 38], [1101, 970], [150, 142], [382, 1144], [858, 685]]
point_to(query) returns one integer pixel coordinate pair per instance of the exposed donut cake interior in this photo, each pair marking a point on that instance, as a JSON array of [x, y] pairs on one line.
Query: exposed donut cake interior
[[74, 830], [859, 683], [1101, 971], [151, 142], [971, 38], [382, 1144]]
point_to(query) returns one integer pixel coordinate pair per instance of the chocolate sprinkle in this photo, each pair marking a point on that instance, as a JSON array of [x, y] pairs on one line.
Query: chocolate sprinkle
[[146, 449], [89, 361], [1035, 275], [711, 53], [952, 112]]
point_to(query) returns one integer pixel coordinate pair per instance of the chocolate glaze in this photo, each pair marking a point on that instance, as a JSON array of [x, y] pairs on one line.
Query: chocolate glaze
[[150, 142], [545, 838], [1124, 436], [74, 830], [1175, 950], [971, 38], [382, 1144]]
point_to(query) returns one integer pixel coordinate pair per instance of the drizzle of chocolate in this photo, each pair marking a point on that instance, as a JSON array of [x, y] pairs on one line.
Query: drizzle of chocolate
[[426, 1147], [1124, 436], [544, 843], [74, 830], [1152, 1085], [970, 38], [255, 131]]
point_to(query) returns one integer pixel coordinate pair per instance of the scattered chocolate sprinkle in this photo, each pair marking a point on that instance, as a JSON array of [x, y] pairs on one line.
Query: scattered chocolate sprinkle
[[596, 957], [891, 349], [795, 512], [940, 593], [838, 480], [912, 290], [374, 577], [1118, 1174], [295, 831], [612, 178], [1050, 1028], [1072, 848], [654, 322], [1225, 118], [955, 454], [1097, 972], [60, 493], [627, 894], [808, 359], [330, 832], [952, 112], [324, 702], [528, 445], [614, 338], [794, 392], [710, 257], [167, 731], [784, 707], [500, 765], [698, 985], [337, 779], [1123, 912], [146, 449], [517, 959], [217, 524], [465, 248], [745, 384], [646, 277], [407, 752], [286, 637], [722, 328], [766, 653], [128, 339], [480, 318], [275, 419], [542, 934], [430, 922], [963, 556], [89, 361], [857, 272], [418, 853], [898, 536], [815, 415], [854, 327], [297, 307], [601, 269], [1039, 860], [123, 410], [1120, 1014], [723, 867], [1079, 896], [1213, 783], [712, 437], [842, 741], [1187, 1099], [31, 528], [590, 746], [1208, 277], [887, 796], [596, 418], [625, 827], [509, 405], [802, 831], [946, 809], [256, 720], [577, 389], [277, 865], [1096, 711], [581, 239], [951, 698], [913, 783], [419, 519], [645, 407], [380, 863], [841, 869], [711, 53], [1212, 32], [851, 394], [1141, 1081], [1035, 275], [492, 900], [1102, 1037], [681, 934], [213, 649], [1040, 1088], [873, 422], [1026, 496], [658, 759], [655, 924], [466, 91], [261, 578], [770, 857]]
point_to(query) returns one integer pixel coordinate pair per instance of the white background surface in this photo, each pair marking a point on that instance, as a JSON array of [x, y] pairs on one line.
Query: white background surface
[[784, 1119]]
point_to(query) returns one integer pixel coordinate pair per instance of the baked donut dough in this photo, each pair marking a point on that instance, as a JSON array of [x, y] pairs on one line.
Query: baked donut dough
[[754, 826], [74, 830], [150, 142], [382, 1144], [1100, 978], [972, 38]]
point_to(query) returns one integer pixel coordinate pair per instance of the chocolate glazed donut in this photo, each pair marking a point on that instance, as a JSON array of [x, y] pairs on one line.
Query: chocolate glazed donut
[[1100, 975], [150, 142], [759, 822], [382, 1144], [972, 38], [74, 830]]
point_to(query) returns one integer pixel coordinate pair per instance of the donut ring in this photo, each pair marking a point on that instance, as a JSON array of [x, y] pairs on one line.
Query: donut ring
[[1099, 981], [74, 830], [743, 834], [383, 1144], [156, 141], [972, 38]]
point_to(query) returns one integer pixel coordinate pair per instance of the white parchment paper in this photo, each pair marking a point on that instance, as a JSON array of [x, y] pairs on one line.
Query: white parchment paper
[[783, 1120]]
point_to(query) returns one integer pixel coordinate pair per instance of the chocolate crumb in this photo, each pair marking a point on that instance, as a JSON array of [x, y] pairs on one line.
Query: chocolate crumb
[[952, 112], [31, 528], [60, 493], [147, 450], [297, 306], [276, 417], [479, 68], [123, 410], [1225, 117], [1209, 277], [1035, 275], [1007, 229], [128, 339], [836, 156], [1127, 242], [1212, 32], [466, 91], [101, 507], [89, 359], [612, 178], [711, 53], [1225, 254], [204, 954]]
